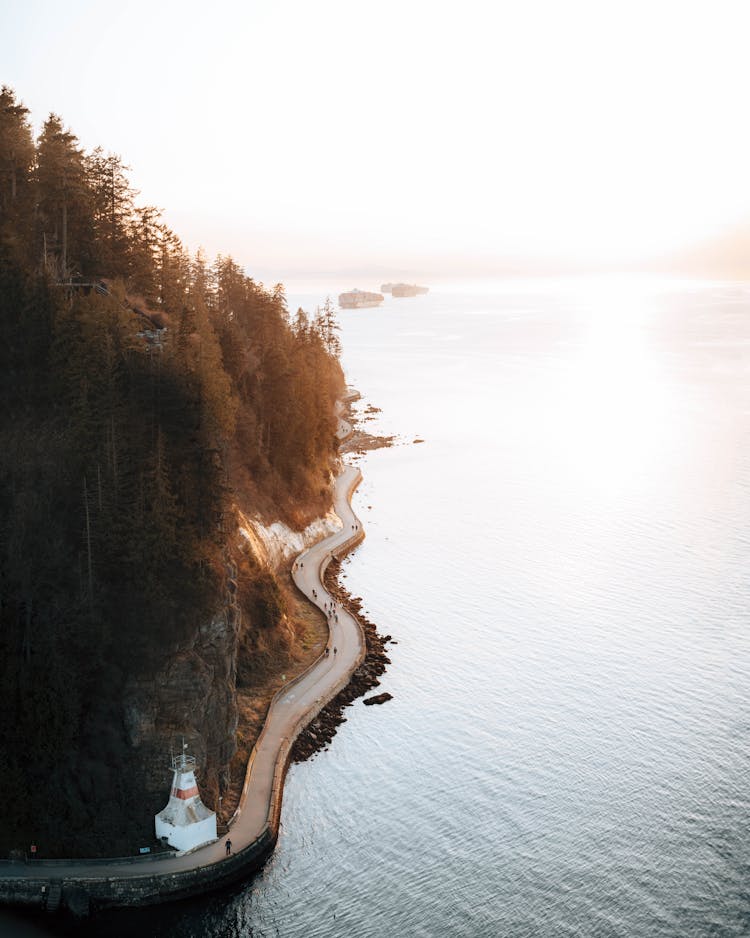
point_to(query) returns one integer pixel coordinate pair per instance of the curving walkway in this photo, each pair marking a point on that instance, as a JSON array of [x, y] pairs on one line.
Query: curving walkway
[[255, 825]]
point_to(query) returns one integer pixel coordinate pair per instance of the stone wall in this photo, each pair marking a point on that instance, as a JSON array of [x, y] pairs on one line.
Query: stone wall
[[81, 895]]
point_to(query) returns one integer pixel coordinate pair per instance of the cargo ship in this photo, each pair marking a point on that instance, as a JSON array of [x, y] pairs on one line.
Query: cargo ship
[[358, 299], [407, 289]]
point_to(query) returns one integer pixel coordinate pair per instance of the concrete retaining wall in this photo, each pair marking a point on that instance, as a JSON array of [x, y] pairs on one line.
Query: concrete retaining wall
[[81, 894]]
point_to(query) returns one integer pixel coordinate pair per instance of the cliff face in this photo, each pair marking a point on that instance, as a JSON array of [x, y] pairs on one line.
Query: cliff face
[[195, 693], [275, 544], [192, 696]]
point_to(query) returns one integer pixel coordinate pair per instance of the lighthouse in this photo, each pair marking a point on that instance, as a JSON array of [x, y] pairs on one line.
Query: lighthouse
[[186, 822]]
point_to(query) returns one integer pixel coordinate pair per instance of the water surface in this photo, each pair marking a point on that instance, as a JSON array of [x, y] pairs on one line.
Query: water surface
[[565, 564]]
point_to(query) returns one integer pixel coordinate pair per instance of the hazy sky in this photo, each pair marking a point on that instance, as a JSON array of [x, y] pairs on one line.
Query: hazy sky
[[303, 135]]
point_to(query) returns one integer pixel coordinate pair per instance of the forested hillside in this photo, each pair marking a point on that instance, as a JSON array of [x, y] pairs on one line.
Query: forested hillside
[[144, 393]]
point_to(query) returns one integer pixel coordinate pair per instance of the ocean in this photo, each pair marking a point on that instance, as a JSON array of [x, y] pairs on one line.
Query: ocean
[[564, 562]]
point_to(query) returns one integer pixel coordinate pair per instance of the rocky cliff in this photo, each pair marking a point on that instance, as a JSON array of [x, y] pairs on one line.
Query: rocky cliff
[[198, 692]]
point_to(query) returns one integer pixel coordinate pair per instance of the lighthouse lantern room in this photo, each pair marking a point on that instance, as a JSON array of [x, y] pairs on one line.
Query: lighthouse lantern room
[[185, 823]]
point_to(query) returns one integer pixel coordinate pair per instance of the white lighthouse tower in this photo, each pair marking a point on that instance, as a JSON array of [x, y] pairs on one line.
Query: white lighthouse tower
[[186, 822]]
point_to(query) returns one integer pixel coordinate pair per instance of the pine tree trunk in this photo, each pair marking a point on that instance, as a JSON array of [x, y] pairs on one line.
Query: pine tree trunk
[[27, 630], [64, 240], [88, 544], [114, 457]]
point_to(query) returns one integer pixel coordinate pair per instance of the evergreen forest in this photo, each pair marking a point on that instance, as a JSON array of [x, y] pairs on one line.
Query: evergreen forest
[[146, 393]]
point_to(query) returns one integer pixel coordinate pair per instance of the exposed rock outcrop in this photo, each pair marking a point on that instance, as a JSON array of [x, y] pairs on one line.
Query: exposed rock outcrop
[[275, 544], [194, 690], [377, 699], [193, 694]]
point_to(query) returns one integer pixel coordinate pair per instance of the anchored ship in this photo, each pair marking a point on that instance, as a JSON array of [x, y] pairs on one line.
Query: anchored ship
[[407, 289], [357, 299]]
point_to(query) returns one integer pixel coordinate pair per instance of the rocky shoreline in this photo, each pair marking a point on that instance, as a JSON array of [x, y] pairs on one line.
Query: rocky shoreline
[[318, 734]]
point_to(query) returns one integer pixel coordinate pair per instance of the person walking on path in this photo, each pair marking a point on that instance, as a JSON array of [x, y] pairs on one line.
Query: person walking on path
[[335, 649], [229, 846]]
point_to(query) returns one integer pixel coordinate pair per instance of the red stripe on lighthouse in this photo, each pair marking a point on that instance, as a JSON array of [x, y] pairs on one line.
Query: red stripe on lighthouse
[[185, 793]]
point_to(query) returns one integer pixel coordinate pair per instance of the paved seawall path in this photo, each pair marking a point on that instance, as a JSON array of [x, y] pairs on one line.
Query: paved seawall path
[[78, 884]]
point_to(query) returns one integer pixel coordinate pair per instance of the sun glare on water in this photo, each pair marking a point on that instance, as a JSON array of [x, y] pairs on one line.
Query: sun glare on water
[[614, 401]]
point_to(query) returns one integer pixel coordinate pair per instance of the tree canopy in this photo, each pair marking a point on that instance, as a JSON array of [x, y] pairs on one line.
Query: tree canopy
[[143, 392]]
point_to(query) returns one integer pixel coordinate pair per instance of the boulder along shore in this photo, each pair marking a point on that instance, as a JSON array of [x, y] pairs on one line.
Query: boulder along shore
[[319, 733]]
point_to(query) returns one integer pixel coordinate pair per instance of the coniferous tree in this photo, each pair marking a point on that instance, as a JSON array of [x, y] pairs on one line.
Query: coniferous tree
[[144, 247], [65, 201], [132, 416], [112, 207], [16, 152]]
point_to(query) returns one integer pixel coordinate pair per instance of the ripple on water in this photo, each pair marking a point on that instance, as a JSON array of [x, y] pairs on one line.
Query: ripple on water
[[566, 753]]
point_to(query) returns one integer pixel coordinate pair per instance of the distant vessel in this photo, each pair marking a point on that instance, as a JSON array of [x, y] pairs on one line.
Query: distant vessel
[[357, 299], [407, 289]]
